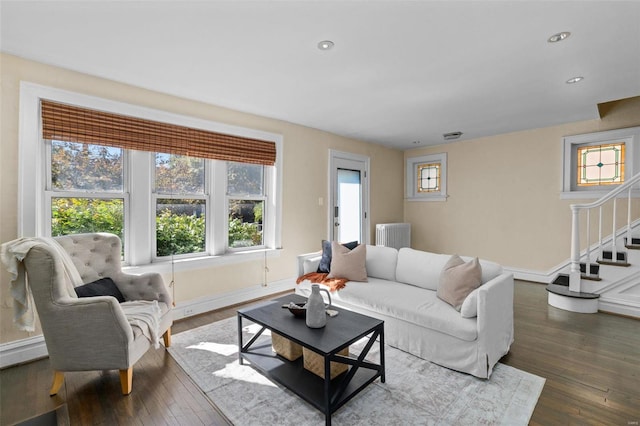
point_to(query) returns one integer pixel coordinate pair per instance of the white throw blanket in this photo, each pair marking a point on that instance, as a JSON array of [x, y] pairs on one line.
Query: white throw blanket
[[145, 315], [12, 254]]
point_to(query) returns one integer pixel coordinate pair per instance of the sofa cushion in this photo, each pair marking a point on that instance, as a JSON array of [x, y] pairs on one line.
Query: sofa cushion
[[325, 261], [382, 262], [349, 264], [405, 302], [420, 268], [469, 308], [457, 279]]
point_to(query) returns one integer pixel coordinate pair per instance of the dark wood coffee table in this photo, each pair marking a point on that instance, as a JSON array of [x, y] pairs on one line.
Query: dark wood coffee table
[[341, 331]]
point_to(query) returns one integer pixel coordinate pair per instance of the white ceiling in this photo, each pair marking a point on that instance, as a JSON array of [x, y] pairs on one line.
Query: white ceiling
[[400, 71]]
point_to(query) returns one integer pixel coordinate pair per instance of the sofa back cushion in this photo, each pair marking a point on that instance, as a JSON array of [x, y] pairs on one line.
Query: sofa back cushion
[[381, 262], [420, 268]]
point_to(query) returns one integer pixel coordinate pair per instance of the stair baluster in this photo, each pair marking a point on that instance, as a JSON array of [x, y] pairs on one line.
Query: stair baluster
[[629, 238], [614, 246], [600, 247], [588, 259]]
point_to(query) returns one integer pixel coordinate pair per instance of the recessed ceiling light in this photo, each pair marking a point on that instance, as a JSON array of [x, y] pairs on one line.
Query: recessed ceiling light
[[574, 80], [325, 45], [558, 37]]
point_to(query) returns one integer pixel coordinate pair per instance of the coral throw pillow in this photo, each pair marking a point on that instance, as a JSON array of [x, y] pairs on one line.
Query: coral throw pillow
[[458, 279], [349, 264]]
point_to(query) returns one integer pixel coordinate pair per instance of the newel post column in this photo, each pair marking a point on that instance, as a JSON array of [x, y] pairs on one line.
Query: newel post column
[[574, 275]]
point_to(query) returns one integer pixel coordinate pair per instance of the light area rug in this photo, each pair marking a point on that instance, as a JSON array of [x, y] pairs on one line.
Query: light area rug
[[416, 392]]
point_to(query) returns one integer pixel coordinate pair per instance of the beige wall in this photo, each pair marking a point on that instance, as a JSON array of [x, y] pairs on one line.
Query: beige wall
[[504, 195], [304, 177]]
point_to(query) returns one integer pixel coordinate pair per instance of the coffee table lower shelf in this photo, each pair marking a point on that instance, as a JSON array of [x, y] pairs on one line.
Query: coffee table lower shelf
[[305, 384]]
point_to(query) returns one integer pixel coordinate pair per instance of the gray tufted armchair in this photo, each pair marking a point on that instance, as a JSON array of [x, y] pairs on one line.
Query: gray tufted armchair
[[92, 333]]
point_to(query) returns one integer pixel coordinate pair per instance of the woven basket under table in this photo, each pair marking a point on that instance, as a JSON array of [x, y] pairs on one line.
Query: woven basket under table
[[315, 363], [285, 347]]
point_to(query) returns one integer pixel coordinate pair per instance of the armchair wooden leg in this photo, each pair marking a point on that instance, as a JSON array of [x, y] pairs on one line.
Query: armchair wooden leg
[[167, 338], [58, 380], [126, 380]]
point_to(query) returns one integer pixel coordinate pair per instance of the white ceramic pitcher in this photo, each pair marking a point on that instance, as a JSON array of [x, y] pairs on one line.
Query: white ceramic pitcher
[[316, 315]]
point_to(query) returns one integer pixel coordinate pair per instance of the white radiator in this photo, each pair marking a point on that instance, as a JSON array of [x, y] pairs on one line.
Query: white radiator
[[396, 235]]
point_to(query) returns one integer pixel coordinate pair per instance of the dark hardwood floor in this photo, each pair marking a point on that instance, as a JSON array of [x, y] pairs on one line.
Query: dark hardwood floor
[[591, 363]]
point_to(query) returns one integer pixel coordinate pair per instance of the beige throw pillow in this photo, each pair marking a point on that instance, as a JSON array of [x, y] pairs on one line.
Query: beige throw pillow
[[458, 279], [349, 264]]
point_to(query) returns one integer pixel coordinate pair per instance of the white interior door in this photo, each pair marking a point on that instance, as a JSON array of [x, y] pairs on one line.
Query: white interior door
[[349, 198]]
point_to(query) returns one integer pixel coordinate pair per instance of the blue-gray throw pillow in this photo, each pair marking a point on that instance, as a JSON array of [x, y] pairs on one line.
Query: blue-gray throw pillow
[[101, 287], [325, 261]]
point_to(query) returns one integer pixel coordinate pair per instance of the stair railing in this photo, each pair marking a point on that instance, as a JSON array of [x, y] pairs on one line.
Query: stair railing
[[575, 274]]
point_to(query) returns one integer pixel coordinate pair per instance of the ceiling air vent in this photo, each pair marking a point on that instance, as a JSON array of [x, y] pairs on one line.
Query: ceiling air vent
[[451, 136]]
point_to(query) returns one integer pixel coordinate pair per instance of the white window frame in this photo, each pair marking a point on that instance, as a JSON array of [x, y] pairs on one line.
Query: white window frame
[[32, 199], [411, 183], [631, 138]]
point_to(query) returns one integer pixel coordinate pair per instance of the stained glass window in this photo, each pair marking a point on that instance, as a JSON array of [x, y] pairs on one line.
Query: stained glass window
[[429, 177], [426, 177], [601, 164]]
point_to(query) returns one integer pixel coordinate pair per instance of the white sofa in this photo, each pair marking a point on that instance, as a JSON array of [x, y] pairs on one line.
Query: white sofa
[[402, 291]]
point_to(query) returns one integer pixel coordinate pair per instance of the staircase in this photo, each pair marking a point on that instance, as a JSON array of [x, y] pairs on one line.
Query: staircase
[[606, 275]]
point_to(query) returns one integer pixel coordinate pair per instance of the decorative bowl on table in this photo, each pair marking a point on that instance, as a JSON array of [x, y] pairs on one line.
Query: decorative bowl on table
[[297, 310]]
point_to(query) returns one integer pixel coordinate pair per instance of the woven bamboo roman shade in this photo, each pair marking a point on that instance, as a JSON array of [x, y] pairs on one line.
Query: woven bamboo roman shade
[[76, 124]]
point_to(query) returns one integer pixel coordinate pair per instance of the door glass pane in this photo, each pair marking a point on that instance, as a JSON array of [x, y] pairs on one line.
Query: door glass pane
[[349, 205]]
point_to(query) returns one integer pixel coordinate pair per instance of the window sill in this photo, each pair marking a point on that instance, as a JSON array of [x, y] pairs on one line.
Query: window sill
[[430, 198], [595, 195], [202, 262]]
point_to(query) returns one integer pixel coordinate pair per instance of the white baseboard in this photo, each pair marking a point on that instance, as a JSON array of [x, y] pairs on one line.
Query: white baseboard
[[529, 275], [210, 303], [23, 350], [620, 308], [32, 348], [615, 308]]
